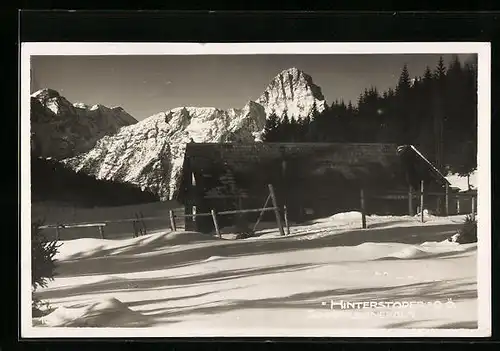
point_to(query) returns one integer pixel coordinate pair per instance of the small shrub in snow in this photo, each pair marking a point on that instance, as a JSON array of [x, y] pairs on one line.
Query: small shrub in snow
[[39, 308], [468, 232], [43, 264]]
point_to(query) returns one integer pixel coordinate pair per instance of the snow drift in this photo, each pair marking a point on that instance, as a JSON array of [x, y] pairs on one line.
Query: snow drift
[[108, 313], [242, 287]]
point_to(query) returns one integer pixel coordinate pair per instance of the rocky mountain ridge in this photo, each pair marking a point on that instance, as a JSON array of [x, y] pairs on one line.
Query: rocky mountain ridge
[[60, 129], [150, 153]]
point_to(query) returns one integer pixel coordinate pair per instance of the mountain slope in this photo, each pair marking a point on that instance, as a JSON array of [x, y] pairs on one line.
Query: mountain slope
[[60, 129], [294, 93], [150, 153]]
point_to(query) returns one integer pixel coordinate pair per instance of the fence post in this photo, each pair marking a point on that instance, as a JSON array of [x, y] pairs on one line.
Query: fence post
[[101, 232], [473, 205], [422, 200], [216, 225], [447, 200], [410, 200], [458, 205], [143, 223], [261, 214], [134, 226], [139, 225], [57, 232], [172, 220], [276, 209], [363, 213], [285, 212]]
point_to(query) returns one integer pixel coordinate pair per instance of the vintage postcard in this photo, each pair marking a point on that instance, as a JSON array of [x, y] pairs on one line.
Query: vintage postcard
[[264, 190]]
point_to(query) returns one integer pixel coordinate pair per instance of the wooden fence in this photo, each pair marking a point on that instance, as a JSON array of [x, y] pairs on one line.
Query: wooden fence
[[135, 224], [420, 195], [214, 214], [139, 222]]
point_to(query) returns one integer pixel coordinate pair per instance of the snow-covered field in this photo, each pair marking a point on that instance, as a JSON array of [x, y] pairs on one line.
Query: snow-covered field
[[326, 275]]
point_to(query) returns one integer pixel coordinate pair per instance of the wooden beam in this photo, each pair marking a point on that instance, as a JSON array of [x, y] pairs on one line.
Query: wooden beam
[[101, 231], [216, 225], [262, 210], [139, 225], [134, 226], [363, 211], [473, 205], [75, 225], [285, 212], [410, 200], [422, 200], [245, 211], [276, 209], [172, 220], [416, 194], [143, 223], [447, 200]]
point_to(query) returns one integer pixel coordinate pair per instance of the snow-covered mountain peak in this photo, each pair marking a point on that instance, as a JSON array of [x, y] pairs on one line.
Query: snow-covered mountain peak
[[294, 71], [52, 100], [81, 105], [292, 92], [45, 93], [62, 129]]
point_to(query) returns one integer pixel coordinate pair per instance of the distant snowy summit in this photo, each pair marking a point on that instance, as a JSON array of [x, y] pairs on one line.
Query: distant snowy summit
[[61, 129], [292, 92]]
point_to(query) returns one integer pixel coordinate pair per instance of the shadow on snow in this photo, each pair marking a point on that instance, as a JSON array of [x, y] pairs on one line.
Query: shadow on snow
[[161, 257]]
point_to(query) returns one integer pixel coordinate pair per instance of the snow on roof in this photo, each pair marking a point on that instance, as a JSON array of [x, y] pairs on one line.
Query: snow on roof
[[428, 162]]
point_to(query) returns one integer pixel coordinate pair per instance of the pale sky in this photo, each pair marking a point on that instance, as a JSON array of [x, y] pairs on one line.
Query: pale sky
[[145, 85]]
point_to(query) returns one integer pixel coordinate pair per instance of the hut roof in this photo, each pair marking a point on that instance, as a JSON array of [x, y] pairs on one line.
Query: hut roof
[[351, 160]]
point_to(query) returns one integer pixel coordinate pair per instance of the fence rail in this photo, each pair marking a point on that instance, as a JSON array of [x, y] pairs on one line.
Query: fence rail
[[364, 198], [57, 227], [431, 193], [75, 225], [172, 216]]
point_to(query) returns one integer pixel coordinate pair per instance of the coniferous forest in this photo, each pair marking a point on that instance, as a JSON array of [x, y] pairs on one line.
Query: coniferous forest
[[436, 112], [54, 182]]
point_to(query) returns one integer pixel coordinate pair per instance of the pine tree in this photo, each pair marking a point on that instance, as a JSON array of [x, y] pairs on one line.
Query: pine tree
[[43, 264], [390, 93], [440, 71], [294, 127], [271, 129], [303, 133], [349, 106], [427, 74], [438, 94], [404, 81], [455, 65], [284, 128]]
